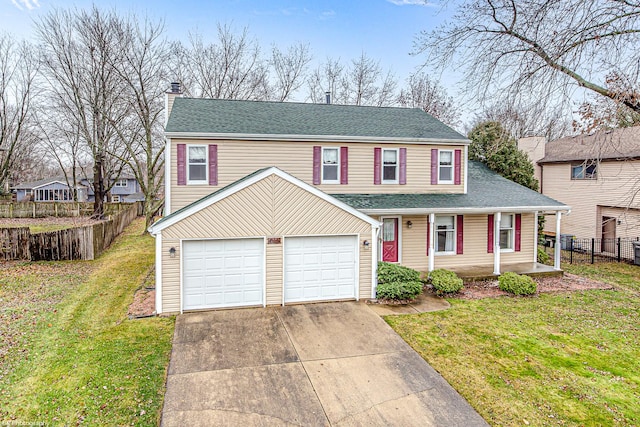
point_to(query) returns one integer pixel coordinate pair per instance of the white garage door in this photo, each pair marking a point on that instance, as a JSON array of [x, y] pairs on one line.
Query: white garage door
[[319, 268], [222, 273]]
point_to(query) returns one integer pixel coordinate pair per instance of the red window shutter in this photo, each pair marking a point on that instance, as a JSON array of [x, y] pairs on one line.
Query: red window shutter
[[434, 166], [377, 160], [317, 159], [344, 165], [459, 234], [428, 235], [213, 164], [457, 167], [402, 179], [490, 235], [182, 164], [518, 232]]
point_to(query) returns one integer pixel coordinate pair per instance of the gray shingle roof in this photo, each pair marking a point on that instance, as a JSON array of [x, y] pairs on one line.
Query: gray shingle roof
[[288, 118], [486, 190], [620, 143]]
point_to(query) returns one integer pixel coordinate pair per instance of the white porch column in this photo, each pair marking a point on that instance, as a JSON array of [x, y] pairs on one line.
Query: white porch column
[[497, 217], [535, 238], [558, 246], [432, 244]]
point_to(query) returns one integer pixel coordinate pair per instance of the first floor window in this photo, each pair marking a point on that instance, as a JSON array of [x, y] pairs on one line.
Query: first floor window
[[115, 199], [330, 162], [506, 232], [445, 167], [197, 164], [390, 166], [445, 233]]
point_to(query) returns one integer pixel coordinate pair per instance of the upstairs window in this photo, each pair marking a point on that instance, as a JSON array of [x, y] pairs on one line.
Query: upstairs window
[[389, 166], [584, 170], [330, 165], [197, 164], [121, 183], [445, 167]]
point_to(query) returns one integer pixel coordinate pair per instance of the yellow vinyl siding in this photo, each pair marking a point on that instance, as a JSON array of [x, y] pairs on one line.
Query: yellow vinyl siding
[[274, 274], [615, 186], [296, 158], [627, 221], [414, 244], [170, 275], [271, 207]]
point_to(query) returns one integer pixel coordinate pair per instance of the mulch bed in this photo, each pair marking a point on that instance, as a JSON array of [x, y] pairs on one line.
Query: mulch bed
[[143, 305], [566, 283]]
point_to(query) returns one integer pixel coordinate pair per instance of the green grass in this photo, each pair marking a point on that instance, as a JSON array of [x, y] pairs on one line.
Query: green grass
[[75, 357], [569, 359]]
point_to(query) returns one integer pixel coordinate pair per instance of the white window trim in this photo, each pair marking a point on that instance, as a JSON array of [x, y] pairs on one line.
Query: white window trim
[[513, 233], [206, 165], [455, 236], [329, 181], [119, 183], [115, 198], [453, 166], [397, 179]]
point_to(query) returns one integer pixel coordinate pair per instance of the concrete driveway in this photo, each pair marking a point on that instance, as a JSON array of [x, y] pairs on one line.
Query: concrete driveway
[[334, 364]]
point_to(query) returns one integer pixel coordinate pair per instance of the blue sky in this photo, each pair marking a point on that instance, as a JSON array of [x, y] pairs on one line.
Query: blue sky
[[384, 29]]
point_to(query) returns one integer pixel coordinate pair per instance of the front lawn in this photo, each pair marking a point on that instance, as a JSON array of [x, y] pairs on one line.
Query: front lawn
[[554, 359], [72, 356]]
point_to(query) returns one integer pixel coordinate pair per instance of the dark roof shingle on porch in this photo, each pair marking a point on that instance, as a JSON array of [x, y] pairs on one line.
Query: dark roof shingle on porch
[[486, 190]]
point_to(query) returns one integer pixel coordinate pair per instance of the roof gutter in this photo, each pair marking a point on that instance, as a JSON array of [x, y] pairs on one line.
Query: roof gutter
[[425, 211], [315, 138]]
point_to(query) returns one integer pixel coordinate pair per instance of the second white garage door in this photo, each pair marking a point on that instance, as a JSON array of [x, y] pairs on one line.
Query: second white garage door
[[223, 273], [320, 268]]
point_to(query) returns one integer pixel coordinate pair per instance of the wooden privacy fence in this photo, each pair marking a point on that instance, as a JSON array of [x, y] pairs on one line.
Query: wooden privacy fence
[[58, 209], [79, 243]]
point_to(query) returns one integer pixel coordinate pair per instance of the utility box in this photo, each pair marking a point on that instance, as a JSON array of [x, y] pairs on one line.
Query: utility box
[[565, 241], [636, 253]]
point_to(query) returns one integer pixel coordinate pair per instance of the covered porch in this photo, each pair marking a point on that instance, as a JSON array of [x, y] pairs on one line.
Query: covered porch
[[486, 272]]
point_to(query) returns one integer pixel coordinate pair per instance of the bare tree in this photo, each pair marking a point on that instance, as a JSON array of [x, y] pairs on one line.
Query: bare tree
[[231, 69], [520, 46], [78, 50], [430, 96], [289, 68], [326, 77], [365, 84], [18, 68], [142, 67]]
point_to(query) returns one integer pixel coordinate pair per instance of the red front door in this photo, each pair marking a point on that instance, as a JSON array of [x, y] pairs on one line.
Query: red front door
[[390, 239]]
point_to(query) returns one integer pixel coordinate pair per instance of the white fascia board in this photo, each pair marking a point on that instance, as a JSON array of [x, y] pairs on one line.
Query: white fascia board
[[51, 182], [167, 176], [425, 211], [198, 206], [315, 138]]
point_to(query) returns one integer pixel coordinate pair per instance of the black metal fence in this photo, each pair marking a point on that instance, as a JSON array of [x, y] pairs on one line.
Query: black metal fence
[[592, 250]]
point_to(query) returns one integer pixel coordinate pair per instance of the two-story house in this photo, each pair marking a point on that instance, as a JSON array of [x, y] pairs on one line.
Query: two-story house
[[125, 189], [598, 175], [276, 203]]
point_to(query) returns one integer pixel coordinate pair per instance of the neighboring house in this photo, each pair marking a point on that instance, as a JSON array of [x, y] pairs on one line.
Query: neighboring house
[[276, 203], [598, 175], [49, 190], [124, 190]]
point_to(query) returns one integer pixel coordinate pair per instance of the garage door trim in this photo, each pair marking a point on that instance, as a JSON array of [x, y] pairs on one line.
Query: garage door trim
[[356, 267], [264, 265]]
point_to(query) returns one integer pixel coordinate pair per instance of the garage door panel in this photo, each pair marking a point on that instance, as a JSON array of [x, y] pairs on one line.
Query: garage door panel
[[319, 268], [223, 273]]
